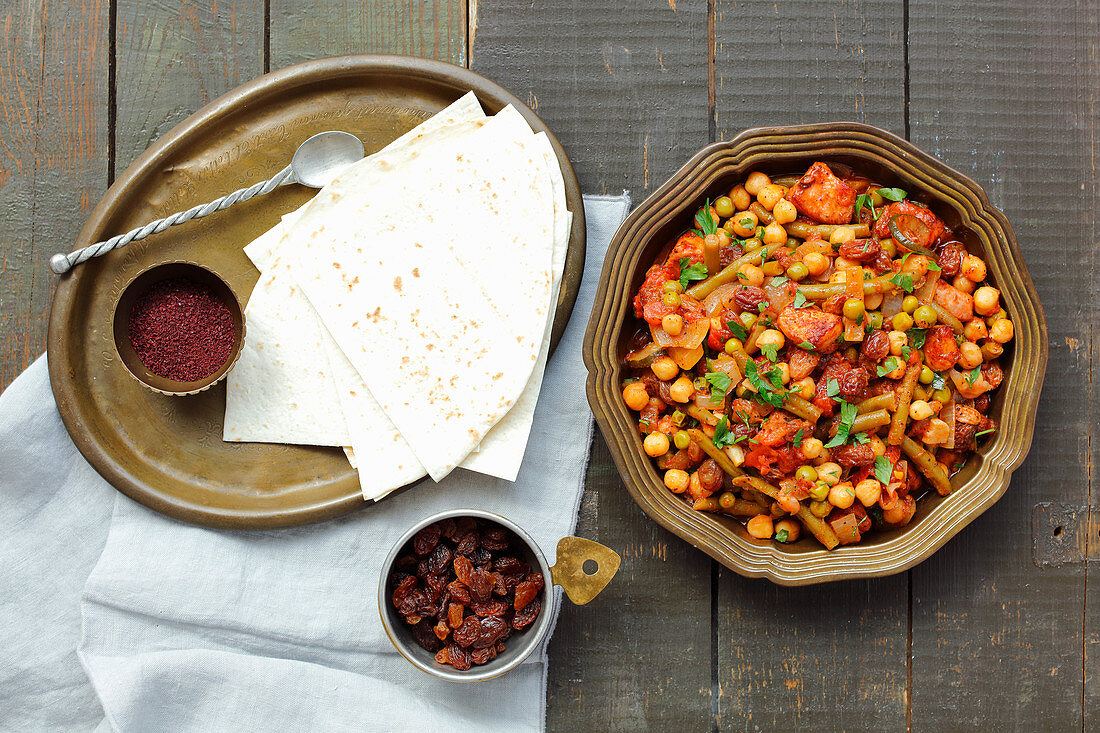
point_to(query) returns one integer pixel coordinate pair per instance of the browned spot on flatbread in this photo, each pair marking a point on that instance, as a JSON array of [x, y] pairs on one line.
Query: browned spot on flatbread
[[416, 272], [397, 283], [353, 283], [498, 375], [336, 265]]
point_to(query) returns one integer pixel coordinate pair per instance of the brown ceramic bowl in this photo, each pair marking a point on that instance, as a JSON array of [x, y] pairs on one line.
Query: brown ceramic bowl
[[139, 286], [888, 159]]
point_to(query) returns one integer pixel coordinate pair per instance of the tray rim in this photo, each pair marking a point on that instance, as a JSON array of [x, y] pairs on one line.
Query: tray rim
[[58, 352]]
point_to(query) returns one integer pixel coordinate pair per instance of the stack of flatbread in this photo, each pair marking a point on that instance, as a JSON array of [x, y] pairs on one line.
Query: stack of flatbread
[[404, 313]]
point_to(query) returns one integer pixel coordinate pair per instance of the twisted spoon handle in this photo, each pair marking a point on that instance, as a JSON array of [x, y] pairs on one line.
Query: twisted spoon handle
[[61, 263]]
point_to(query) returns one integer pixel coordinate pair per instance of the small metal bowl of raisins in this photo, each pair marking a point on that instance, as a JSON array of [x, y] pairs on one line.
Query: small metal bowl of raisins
[[465, 595]]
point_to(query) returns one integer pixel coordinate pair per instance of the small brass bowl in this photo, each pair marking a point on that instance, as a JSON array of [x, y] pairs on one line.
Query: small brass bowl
[[138, 287], [580, 586], [891, 161]]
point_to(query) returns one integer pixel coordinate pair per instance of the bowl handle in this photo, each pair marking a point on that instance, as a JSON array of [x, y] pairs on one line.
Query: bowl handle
[[569, 573]]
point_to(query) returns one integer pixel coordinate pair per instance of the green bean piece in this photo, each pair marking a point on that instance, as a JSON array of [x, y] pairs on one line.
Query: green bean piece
[[824, 291], [817, 527], [744, 508], [926, 463], [945, 318], [870, 421], [701, 414], [786, 181], [802, 230], [727, 274], [802, 408], [905, 396], [761, 213], [719, 455], [888, 401]]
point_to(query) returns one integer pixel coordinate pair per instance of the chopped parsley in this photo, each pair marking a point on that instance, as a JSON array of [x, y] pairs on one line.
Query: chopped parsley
[[893, 194], [720, 384], [847, 417], [938, 380], [723, 436], [832, 388], [779, 280], [973, 375], [864, 201], [861, 438], [984, 432], [781, 536], [883, 469], [771, 351], [887, 366], [765, 391], [737, 330], [690, 273], [807, 346], [917, 337], [799, 299], [934, 266], [705, 220], [905, 352], [903, 281], [762, 306], [796, 441]]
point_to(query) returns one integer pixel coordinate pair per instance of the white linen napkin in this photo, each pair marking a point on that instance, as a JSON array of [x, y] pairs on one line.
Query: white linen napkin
[[186, 628]]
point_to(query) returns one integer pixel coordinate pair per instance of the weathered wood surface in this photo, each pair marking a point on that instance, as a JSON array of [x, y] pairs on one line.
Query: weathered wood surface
[[998, 629]]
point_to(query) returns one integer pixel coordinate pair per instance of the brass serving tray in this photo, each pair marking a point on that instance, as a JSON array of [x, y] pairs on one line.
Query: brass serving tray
[[167, 452], [962, 204]]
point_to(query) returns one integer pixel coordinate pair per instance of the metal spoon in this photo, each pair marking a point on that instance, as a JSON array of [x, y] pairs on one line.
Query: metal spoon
[[315, 163]]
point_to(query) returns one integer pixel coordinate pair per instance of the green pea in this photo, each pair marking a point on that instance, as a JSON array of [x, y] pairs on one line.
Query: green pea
[[681, 439], [733, 346], [925, 316], [752, 244], [909, 304], [672, 286], [806, 473], [853, 309], [903, 322], [748, 320], [942, 395], [874, 320], [671, 299], [926, 375], [798, 271], [820, 491], [727, 499], [820, 508], [724, 206]]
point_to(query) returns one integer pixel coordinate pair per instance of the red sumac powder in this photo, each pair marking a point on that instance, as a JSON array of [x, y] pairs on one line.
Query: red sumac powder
[[181, 330]]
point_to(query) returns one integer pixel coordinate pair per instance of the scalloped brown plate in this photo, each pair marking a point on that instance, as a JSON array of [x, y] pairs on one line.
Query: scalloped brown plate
[[892, 161], [167, 452]]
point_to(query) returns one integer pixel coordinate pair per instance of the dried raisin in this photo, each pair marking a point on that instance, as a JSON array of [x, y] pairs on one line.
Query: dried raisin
[[426, 539]]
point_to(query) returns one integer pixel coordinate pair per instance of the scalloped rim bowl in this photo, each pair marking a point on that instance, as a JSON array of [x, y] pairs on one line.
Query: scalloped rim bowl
[[893, 162]]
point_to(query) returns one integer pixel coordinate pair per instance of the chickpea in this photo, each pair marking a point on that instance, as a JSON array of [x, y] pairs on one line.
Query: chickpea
[[770, 195], [664, 368], [784, 372], [745, 223], [760, 527], [909, 304], [788, 504], [991, 350], [775, 234], [963, 284], [816, 263], [784, 212], [842, 495], [724, 207], [655, 444], [873, 301], [682, 390], [829, 472], [925, 317], [902, 321], [841, 235], [750, 275], [772, 337], [812, 447], [878, 446], [673, 324], [898, 340], [970, 355], [938, 432], [740, 197], [1001, 331], [919, 410], [975, 330], [805, 389], [635, 396], [843, 263], [723, 238], [986, 300], [791, 527], [798, 271], [973, 268], [677, 481], [868, 491], [755, 183], [916, 265]]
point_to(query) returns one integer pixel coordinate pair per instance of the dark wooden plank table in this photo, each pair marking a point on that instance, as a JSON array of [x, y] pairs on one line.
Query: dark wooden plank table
[[994, 632]]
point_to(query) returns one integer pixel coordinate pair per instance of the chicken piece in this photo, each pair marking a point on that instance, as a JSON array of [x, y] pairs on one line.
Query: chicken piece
[[954, 301], [780, 427], [802, 362], [822, 196], [940, 350], [813, 325]]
